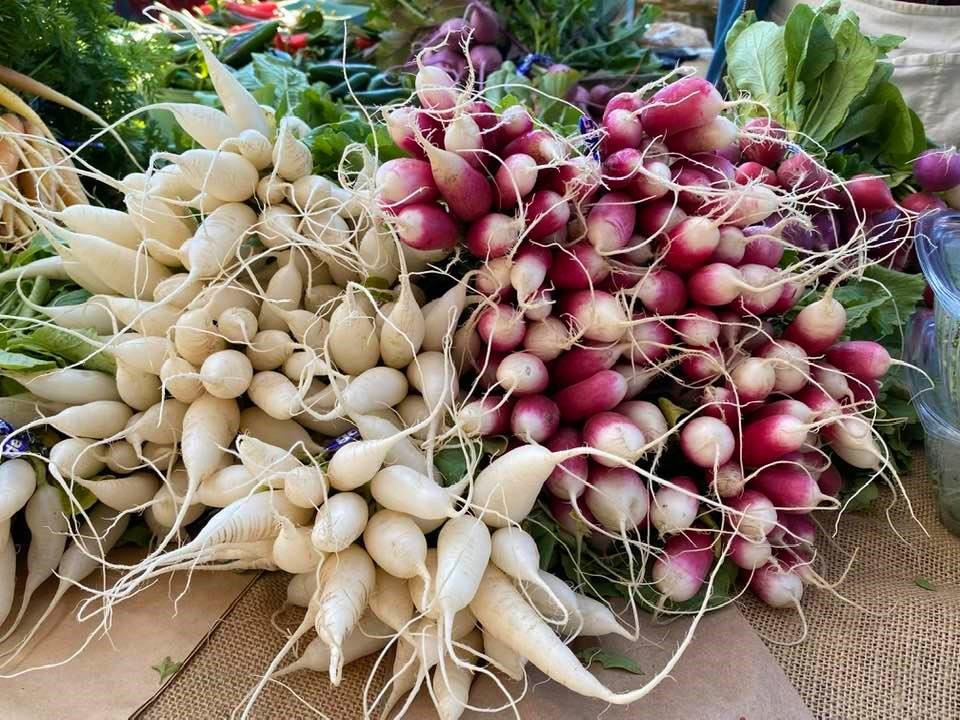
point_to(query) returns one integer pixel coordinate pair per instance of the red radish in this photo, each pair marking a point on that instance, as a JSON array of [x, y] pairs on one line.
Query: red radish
[[695, 182], [788, 406], [707, 441], [401, 123], [690, 244], [756, 336], [650, 340], [753, 516], [788, 486], [637, 380], [622, 129], [761, 248], [937, 170], [702, 364], [486, 59], [487, 120], [651, 182], [760, 290], [674, 509], [680, 571], [614, 434], [687, 103], [539, 305], [620, 167], [493, 278], [777, 586], [568, 480], [698, 327], [921, 202], [531, 263], [546, 213], [463, 137], [763, 141], [646, 416], [768, 439], [502, 326], [426, 226], [485, 23], [830, 481], [811, 461], [863, 359], [488, 416], [463, 187], [578, 267], [870, 193], [405, 181], [523, 374], [623, 101], [659, 216], [534, 418], [727, 480], [790, 364], [716, 134], [436, 90], [547, 339], [751, 171], [721, 403], [796, 530], [818, 326], [749, 554], [579, 363], [515, 179], [541, 145], [493, 235], [617, 497], [753, 379], [603, 391], [662, 292], [832, 381], [597, 314], [819, 403], [577, 521], [745, 206], [731, 247], [802, 173], [789, 296], [864, 392], [610, 222], [715, 284]]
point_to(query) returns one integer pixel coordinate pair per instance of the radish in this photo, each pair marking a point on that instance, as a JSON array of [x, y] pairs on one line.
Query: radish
[[506, 490], [622, 130], [579, 363], [545, 213], [750, 554], [864, 359], [610, 222], [753, 514], [869, 193], [770, 438], [578, 267], [515, 179], [659, 216], [534, 418], [753, 379], [818, 326], [716, 284], [465, 190], [531, 263], [568, 479], [788, 487], [426, 226], [687, 103], [830, 481], [493, 236], [407, 491], [702, 364], [713, 135], [435, 88], [680, 571], [615, 435], [602, 391], [597, 315], [463, 552], [937, 170], [776, 586], [707, 441], [502, 326], [662, 292], [617, 497], [761, 289], [489, 415], [727, 480], [790, 364], [397, 545], [675, 506], [751, 172], [699, 327], [761, 248], [548, 339], [646, 416], [690, 244]]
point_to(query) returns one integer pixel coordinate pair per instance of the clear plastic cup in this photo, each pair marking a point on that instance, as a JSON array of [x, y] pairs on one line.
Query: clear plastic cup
[[939, 414], [938, 249]]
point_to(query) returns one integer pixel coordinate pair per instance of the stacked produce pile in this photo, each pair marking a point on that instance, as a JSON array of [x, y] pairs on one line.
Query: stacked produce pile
[[369, 381]]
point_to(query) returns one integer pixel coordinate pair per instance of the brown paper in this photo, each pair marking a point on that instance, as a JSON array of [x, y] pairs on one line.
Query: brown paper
[[107, 680], [726, 673]]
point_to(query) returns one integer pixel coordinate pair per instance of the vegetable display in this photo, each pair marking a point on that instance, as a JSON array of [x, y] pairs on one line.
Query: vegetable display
[[480, 384]]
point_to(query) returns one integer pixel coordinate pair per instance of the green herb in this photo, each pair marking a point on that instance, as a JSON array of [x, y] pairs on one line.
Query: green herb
[[608, 660], [921, 582], [79, 499], [166, 669]]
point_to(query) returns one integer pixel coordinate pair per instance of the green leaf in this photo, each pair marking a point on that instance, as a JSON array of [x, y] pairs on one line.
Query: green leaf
[[921, 582], [65, 345], [886, 43], [608, 660], [137, 534], [507, 82], [863, 122], [736, 30], [18, 362], [862, 496], [454, 462], [557, 85], [819, 52], [756, 61], [81, 499], [671, 411], [166, 668]]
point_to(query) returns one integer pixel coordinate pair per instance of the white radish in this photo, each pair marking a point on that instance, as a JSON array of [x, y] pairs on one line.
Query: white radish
[[69, 385], [181, 379], [196, 337], [403, 451], [76, 457], [225, 175], [407, 491], [396, 544], [293, 551], [353, 342], [402, 334], [138, 389], [369, 636], [390, 600], [340, 521], [226, 374], [123, 494], [226, 485]]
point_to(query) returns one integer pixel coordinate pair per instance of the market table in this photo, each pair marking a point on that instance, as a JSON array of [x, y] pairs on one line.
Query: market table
[[893, 656]]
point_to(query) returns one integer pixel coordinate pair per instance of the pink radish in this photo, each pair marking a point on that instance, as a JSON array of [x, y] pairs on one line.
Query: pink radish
[[659, 216], [502, 326], [534, 418], [707, 441], [761, 248], [749, 554], [462, 135], [623, 101], [698, 327], [531, 263], [830, 481], [436, 90], [622, 129], [796, 530], [522, 374], [610, 222], [789, 296], [763, 140], [598, 393], [776, 586], [650, 340], [493, 236], [921, 202], [621, 166], [818, 326], [761, 290], [487, 416], [426, 226], [801, 173], [578, 267], [515, 121], [680, 571], [541, 145], [615, 435], [568, 479], [617, 497], [753, 379], [731, 247], [401, 123], [464, 188], [579, 363], [788, 406], [690, 244], [405, 181], [716, 134], [727, 480], [672, 510], [721, 403], [546, 213], [788, 486], [703, 364], [686, 103], [769, 439], [715, 284], [753, 516], [870, 193], [937, 170], [864, 359], [646, 416], [751, 171], [662, 292], [515, 179], [790, 365], [547, 339], [598, 315], [652, 182]]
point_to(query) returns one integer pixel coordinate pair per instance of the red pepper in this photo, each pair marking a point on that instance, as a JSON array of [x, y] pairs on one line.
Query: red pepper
[[362, 43], [291, 43], [261, 11], [205, 9], [234, 29]]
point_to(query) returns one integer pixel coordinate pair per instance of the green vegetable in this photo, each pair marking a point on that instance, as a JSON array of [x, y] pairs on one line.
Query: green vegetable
[[356, 82], [608, 660], [922, 582], [239, 48], [166, 669]]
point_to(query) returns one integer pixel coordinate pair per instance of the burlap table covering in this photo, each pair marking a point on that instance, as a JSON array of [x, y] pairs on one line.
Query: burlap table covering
[[897, 657]]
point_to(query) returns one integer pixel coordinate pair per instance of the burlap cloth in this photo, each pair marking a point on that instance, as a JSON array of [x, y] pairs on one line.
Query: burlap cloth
[[897, 656]]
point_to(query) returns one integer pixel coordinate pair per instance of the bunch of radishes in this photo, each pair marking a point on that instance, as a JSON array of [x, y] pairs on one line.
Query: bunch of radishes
[[468, 41]]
